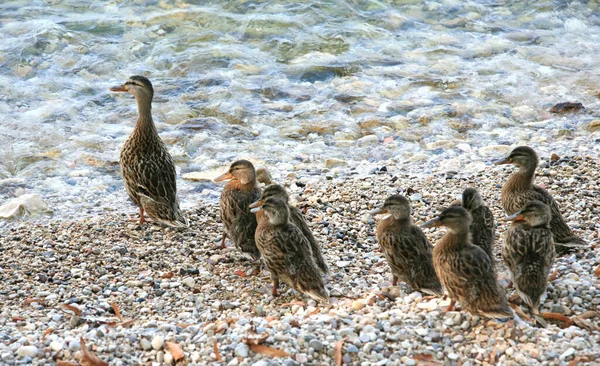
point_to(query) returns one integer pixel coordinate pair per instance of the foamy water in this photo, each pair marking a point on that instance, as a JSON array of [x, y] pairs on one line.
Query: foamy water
[[424, 86]]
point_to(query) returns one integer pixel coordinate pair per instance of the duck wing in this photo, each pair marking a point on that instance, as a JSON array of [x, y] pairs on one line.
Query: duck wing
[[483, 230], [298, 219], [410, 256], [152, 179], [479, 290], [563, 236], [291, 258], [240, 224]]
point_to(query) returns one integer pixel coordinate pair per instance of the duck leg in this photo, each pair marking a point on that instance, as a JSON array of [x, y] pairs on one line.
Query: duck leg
[[451, 305], [223, 246], [142, 219], [275, 285], [394, 280]]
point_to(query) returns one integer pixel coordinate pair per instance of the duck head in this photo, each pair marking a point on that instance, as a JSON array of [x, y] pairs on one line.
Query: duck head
[[397, 205], [138, 86], [274, 208], [241, 170], [274, 190], [522, 156], [471, 199], [535, 213], [455, 218]]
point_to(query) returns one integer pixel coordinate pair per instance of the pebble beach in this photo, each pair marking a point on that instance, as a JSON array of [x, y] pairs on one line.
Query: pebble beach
[[148, 295]]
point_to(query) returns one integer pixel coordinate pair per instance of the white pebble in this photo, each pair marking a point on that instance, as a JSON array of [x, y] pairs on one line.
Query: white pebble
[[157, 342], [25, 351]]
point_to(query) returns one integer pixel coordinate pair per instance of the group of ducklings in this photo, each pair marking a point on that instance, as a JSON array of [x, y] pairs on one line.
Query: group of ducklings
[[264, 224], [463, 260]]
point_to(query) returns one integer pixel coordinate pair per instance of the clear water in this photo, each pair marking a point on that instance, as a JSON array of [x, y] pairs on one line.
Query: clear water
[[427, 86]]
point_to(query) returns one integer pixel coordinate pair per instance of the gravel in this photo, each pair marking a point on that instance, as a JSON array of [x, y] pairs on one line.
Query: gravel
[[62, 280]]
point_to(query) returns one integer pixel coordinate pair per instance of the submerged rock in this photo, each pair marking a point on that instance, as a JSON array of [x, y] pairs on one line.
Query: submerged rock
[[567, 107], [25, 205]]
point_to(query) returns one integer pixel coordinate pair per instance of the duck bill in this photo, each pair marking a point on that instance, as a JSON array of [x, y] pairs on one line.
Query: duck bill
[[516, 217], [256, 209], [379, 211], [506, 160], [120, 88], [432, 223], [257, 204], [224, 176]]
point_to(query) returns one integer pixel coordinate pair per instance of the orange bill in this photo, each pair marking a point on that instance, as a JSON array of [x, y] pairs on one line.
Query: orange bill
[[516, 217], [224, 176], [379, 211], [432, 223], [257, 203], [120, 88], [506, 160]]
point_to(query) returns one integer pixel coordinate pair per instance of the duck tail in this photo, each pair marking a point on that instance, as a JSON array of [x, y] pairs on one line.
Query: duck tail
[[318, 294], [434, 289], [569, 244], [180, 222], [572, 242], [501, 311], [538, 319]]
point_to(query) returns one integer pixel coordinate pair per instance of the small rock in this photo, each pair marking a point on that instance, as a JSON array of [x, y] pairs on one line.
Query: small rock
[[567, 107], [189, 282], [241, 350], [568, 353], [24, 205], [358, 304], [168, 358], [146, 345], [157, 342], [332, 162], [27, 351], [316, 345], [301, 358], [577, 300], [408, 361], [56, 346]]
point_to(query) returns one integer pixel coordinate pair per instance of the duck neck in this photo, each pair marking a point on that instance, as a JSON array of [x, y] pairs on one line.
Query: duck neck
[[523, 179], [458, 238], [238, 185], [145, 124]]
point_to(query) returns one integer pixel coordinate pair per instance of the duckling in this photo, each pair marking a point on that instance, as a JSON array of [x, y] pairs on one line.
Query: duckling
[[519, 190], [406, 248], [296, 218], [529, 253], [147, 167], [482, 225], [241, 190], [465, 269], [286, 250]]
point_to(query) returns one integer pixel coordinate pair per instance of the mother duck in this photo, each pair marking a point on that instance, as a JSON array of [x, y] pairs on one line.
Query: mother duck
[[147, 167]]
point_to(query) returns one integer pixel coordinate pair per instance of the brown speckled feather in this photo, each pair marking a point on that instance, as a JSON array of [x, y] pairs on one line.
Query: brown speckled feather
[[483, 230], [288, 256], [529, 253], [409, 254], [297, 218], [240, 224], [467, 273]]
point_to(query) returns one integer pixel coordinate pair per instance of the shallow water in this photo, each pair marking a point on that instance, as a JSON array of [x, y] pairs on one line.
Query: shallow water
[[426, 86]]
